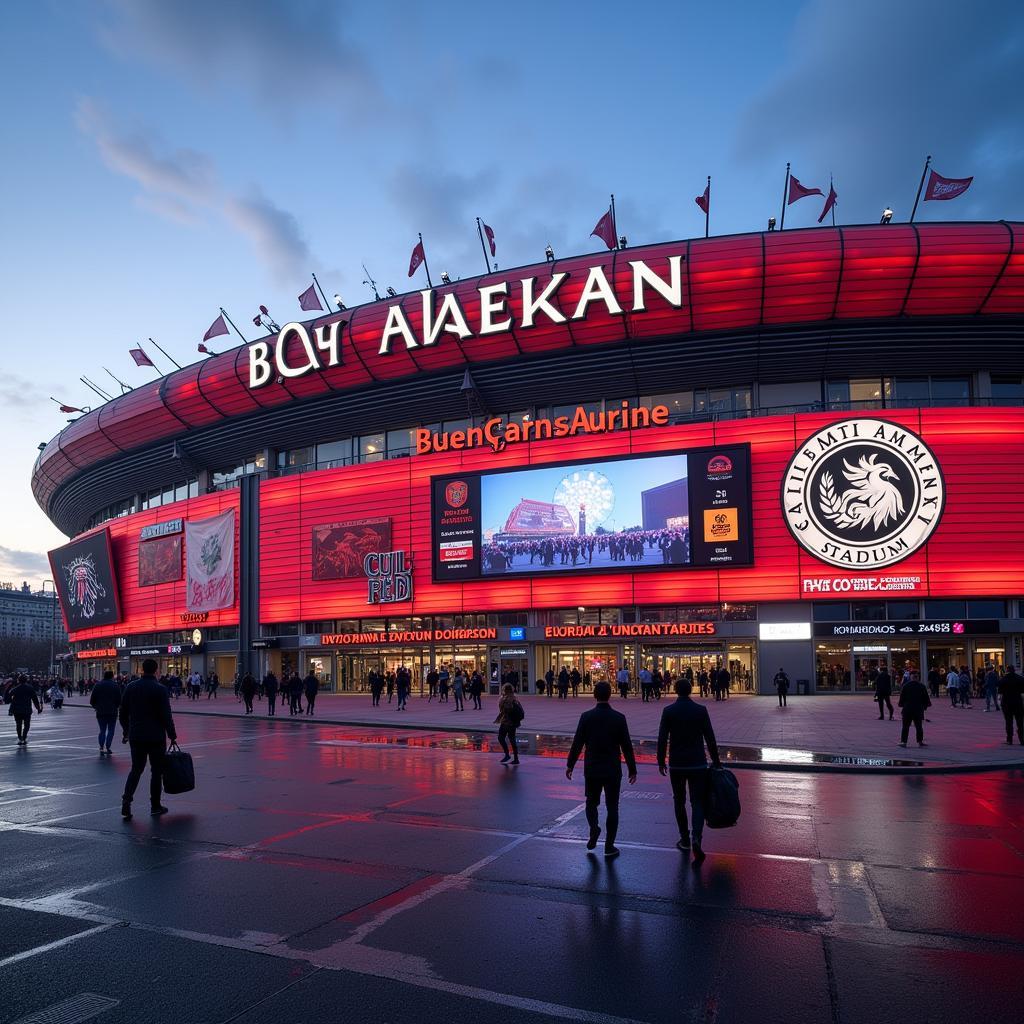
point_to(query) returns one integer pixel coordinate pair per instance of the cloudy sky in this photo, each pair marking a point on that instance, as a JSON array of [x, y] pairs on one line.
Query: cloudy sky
[[165, 158]]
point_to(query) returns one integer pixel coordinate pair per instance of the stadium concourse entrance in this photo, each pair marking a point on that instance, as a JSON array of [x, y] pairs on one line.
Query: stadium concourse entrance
[[738, 658], [349, 671]]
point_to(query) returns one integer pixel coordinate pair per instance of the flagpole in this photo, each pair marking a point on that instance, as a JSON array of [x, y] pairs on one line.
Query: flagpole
[[615, 226], [831, 189], [707, 212], [430, 284], [124, 387], [785, 192], [480, 232], [93, 387], [920, 186], [327, 305], [171, 358], [224, 314]]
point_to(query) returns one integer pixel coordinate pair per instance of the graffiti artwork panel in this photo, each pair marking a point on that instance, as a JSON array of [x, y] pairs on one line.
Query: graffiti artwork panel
[[84, 574], [160, 561], [339, 548]]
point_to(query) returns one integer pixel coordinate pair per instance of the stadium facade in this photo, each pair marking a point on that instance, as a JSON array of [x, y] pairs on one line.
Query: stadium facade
[[799, 449]]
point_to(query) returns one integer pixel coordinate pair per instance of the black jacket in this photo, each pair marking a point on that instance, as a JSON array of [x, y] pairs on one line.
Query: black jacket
[[23, 696], [270, 685], [1011, 689], [604, 733], [248, 686], [146, 712], [914, 697], [310, 686], [106, 698], [685, 727], [883, 685]]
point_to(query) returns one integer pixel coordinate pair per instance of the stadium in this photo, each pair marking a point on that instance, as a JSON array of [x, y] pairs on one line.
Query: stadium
[[799, 449]]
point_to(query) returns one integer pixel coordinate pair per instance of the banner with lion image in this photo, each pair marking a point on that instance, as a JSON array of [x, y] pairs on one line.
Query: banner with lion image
[[210, 562]]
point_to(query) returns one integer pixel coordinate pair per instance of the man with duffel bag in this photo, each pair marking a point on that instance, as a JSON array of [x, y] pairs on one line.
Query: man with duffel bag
[[685, 728], [147, 724]]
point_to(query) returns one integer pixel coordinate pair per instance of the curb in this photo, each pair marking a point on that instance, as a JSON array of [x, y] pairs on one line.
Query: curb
[[818, 767]]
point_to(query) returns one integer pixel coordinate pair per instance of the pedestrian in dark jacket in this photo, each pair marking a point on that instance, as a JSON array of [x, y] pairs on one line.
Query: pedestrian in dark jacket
[[270, 688], [403, 683], [23, 699], [248, 691], [782, 686], [295, 695], [510, 714], [1011, 690], [603, 732], [914, 701], [311, 688], [106, 700], [476, 689], [684, 730], [147, 724], [883, 694]]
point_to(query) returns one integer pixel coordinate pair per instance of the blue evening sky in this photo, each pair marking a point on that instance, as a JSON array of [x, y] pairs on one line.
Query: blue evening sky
[[501, 492], [166, 157]]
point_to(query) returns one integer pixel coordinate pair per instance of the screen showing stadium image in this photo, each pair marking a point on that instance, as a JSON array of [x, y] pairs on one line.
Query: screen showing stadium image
[[614, 514]]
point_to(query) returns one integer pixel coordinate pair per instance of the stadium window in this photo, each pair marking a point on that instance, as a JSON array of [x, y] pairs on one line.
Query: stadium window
[[831, 611], [907, 610], [1008, 390], [193, 488], [400, 443], [678, 403], [910, 393], [986, 609], [837, 394], [739, 612], [180, 492], [870, 392], [945, 609], [332, 454], [950, 391], [868, 611], [371, 448]]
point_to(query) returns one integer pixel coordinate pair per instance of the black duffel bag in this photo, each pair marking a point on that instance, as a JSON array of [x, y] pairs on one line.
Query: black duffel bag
[[178, 774], [722, 803]]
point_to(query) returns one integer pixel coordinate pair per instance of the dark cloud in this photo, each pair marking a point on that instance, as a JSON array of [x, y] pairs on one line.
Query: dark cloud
[[870, 88], [181, 185], [17, 392], [17, 565], [282, 51]]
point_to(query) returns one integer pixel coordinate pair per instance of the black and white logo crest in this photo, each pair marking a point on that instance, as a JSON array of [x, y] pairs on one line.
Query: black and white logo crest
[[863, 493]]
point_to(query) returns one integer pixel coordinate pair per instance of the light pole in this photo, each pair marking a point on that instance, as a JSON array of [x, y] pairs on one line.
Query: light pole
[[53, 621]]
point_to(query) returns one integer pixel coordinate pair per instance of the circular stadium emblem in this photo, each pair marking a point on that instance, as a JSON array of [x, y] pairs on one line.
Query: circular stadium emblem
[[863, 494], [456, 493]]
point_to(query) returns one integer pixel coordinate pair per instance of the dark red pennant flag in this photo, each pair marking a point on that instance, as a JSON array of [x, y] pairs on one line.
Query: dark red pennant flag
[[829, 203], [704, 201], [140, 357], [309, 299], [605, 230], [798, 191], [217, 327], [204, 350], [70, 408], [418, 256], [489, 232], [946, 188]]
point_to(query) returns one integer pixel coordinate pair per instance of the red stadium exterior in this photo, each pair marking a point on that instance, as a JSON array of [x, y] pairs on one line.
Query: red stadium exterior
[[761, 315]]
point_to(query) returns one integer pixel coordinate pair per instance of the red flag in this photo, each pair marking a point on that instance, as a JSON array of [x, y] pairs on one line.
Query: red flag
[[70, 408], [946, 188], [140, 357], [605, 230], [489, 232], [309, 299], [417, 257], [829, 203], [704, 201], [798, 191], [217, 327]]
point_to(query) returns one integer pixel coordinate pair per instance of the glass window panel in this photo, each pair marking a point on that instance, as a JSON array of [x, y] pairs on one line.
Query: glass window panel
[[868, 611], [945, 609], [831, 611], [334, 453], [180, 492], [867, 393], [371, 448], [739, 612], [193, 488], [1008, 387], [678, 403], [400, 442], [837, 394], [903, 610], [951, 390], [986, 609]]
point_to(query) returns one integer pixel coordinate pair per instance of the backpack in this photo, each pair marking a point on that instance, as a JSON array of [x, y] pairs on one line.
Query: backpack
[[518, 714], [722, 803]]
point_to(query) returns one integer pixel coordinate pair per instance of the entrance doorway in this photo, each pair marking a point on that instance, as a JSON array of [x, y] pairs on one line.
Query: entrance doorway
[[737, 658], [595, 664], [513, 669]]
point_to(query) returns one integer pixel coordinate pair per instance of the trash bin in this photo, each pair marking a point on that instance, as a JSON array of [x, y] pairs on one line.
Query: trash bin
[[803, 686]]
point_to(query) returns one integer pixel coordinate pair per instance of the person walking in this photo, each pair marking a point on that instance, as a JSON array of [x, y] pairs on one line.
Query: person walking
[[646, 680], [781, 686], [23, 698], [389, 684], [1011, 690], [433, 679], [294, 694], [458, 689], [510, 715], [403, 682], [247, 688], [476, 689], [883, 693], [146, 723], [914, 701], [376, 687], [953, 685], [549, 679], [991, 687], [966, 685], [311, 688], [106, 701], [270, 688], [603, 733], [934, 682], [213, 687], [684, 730], [574, 681]]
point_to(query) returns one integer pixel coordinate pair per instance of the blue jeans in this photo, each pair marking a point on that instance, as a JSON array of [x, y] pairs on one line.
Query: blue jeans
[[107, 725]]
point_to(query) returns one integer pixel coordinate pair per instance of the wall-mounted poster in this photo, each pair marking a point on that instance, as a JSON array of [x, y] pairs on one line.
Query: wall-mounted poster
[[210, 557], [84, 574], [339, 548], [160, 561]]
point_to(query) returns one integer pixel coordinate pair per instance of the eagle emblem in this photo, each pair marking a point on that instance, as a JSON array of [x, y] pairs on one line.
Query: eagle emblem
[[873, 500]]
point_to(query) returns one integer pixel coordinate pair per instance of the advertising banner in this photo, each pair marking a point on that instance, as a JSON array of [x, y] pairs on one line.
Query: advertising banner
[[160, 561], [210, 557], [339, 549], [84, 574], [455, 514]]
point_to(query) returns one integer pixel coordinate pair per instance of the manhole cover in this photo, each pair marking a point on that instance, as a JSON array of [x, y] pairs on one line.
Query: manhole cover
[[75, 1010]]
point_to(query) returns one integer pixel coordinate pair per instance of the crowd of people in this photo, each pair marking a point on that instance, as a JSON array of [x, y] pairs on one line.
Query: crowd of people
[[579, 549]]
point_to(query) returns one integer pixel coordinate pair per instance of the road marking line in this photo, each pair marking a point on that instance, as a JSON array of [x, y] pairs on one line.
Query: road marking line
[[56, 944]]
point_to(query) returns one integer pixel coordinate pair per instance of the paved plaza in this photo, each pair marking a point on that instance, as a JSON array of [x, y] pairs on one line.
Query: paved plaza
[[839, 725], [324, 873]]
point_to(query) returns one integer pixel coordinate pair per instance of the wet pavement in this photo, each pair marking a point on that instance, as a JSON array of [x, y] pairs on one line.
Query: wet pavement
[[328, 873]]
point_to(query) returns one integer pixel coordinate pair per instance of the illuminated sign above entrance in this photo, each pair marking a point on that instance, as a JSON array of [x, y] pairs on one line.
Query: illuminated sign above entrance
[[406, 636], [630, 629]]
